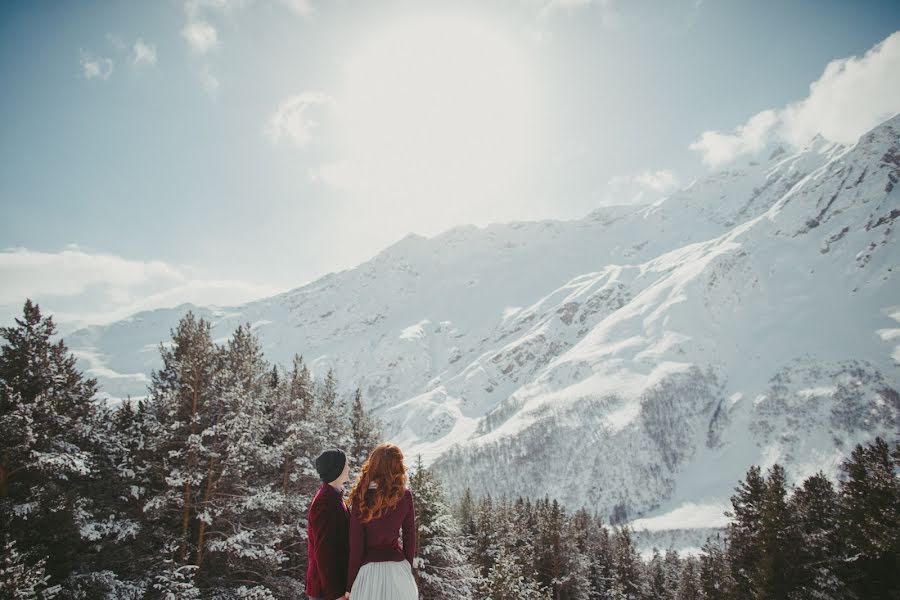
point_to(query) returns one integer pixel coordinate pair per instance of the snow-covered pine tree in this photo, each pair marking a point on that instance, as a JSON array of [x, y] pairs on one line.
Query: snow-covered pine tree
[[743, 532], [814, 507], [48, 444], [328, 390], [441, 566], [22, 579], [172, 581], [365, 433], [295, 437], [869, 522], [715, 576], [504, 581], [655, 579], [239, 506], [600, 556], [548, 546], [672, 565], [689, 582], [515, 527], [116, 497], [772, 575], [575, 584], [182, 410], [331, 414], [484, 546], [465, 515], [627, 566]]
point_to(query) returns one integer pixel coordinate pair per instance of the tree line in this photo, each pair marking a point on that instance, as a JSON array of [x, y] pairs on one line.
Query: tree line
[[200, 490], [810, 541]]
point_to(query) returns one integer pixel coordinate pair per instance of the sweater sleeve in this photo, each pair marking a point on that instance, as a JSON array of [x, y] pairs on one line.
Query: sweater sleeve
[[357, 546], [325, 549], [409, 530]]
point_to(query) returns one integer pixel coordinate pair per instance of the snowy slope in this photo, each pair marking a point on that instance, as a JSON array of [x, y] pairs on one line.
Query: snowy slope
[[775, 341], [638, 359]]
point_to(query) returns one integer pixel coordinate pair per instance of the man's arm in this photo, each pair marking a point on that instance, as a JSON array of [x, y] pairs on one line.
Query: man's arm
[[323, 521]]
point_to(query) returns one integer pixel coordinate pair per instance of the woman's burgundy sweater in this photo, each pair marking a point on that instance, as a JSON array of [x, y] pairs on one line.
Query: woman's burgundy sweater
[[379, 539], [327, 534]]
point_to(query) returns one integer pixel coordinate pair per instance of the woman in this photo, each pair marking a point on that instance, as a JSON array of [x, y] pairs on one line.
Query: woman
[[381, 507]]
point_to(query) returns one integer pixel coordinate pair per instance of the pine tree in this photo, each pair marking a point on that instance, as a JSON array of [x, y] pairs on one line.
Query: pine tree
[[116, 535], [772, 576], [715, 577], [601, 558], [363, 432], [655, 581], [869, 521], [274, 379], [332, 415], [184, 410], [21, 579], [817, 557], [580, 535], [672, 565], [744, 535], [48, 444], [328, 390], [295, 437], [240, 503], [689, 582], [484, 548], [548, 551], [441, 565], [626, 565], [504, 581], [465, 515]]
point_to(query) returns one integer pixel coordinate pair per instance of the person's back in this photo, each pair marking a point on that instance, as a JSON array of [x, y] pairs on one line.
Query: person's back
[[328, 530], [382, 513]]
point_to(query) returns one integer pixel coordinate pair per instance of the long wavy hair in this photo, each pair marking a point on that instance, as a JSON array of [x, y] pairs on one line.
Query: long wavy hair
[[386, 470]]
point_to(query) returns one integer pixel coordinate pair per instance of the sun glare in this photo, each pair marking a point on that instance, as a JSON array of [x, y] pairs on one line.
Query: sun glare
[[436, 108]]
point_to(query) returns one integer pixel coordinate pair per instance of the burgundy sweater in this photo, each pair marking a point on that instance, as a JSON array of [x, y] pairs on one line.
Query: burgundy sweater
[[327, 533], [379, 539]]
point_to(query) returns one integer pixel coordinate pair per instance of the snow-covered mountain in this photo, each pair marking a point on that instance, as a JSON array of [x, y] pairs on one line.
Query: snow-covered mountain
[[637, 360]]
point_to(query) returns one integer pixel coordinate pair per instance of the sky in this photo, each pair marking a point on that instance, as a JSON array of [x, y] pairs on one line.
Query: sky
[[219, 151]]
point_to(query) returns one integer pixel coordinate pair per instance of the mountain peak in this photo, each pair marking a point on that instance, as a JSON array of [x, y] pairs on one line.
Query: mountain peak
[[886, 131]]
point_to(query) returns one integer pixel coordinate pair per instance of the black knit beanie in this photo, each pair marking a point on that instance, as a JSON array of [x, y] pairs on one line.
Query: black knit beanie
[[330, 465]]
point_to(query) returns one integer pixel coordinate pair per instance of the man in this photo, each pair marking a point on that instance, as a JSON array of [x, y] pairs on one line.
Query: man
[[328, 530]]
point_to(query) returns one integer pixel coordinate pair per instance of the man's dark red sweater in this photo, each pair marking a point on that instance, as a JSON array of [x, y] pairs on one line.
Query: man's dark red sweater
[[379, 539], [328, 526]]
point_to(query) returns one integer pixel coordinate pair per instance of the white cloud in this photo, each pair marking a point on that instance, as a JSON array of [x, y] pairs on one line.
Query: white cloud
[[850, 97], [201, 36], [96, 67], [143, 53], [293, 119], [659, 181], [718, 148], [81, 287], [642, 187]]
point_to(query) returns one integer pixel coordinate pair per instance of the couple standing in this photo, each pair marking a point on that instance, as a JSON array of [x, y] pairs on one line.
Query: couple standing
[[358, 548]]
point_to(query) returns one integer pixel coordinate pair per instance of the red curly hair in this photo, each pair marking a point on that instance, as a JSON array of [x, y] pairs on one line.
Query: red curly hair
[[386, 470]]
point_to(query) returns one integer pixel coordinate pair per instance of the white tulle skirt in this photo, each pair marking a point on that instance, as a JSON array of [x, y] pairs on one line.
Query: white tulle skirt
[[390, 580]]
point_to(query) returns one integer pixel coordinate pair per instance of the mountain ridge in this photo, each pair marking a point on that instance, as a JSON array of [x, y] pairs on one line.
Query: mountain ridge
[[627, 330]]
